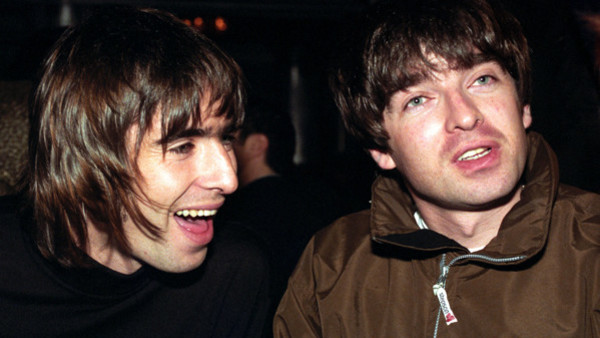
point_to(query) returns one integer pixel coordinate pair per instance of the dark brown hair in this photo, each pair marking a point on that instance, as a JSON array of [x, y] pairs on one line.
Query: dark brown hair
[[116, 69], [399, 38]]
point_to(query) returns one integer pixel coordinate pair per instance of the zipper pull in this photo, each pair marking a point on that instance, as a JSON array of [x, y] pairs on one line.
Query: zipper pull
[[442, 296]]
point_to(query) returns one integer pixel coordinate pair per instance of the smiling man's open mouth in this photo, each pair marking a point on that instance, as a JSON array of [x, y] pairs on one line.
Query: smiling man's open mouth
[[474, 154], [197, 224]]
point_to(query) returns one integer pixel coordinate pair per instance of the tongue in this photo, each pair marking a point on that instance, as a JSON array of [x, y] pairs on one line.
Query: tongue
[[197, 225], [193, 221]]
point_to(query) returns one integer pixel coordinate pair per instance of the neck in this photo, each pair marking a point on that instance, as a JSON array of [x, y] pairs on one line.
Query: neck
[[102, 251], [253, 171], [470, 228]]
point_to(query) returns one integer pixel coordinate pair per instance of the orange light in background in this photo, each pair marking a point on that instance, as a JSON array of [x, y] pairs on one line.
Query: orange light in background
[[198, 22], [187, 22], [220, 24]]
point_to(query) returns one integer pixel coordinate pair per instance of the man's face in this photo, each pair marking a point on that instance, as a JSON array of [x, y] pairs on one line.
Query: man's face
[[458, 138], [181, 190]]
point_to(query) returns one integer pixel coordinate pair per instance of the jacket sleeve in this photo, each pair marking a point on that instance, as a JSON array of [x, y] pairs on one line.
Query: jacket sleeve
[[298, 311], [595, 297]]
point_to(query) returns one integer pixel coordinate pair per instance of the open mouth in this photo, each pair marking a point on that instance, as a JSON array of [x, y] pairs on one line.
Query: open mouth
[[474, 154], [197, 224]]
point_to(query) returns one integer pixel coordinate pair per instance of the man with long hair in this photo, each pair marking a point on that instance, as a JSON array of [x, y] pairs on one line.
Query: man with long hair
[[130, 160]]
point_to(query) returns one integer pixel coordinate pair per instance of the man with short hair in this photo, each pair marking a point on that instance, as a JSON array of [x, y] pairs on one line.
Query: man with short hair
[[470, 235], [265, 143], [130, 160]]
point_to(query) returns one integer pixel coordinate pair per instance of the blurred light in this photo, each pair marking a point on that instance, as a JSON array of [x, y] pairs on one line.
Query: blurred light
[[65, 17], [198, 22], [220, 24], [187, 22]]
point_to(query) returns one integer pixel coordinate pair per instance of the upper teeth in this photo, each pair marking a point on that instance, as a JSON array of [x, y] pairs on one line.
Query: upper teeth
[[196, 213], [474, 154]]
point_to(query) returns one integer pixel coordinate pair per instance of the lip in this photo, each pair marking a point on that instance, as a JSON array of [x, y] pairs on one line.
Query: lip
[[201, 230], [484, 162]]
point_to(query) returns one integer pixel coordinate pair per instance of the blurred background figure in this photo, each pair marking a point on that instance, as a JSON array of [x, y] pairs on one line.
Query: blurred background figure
[[14, 126], [593, 22], [284, 208], [265, 145]]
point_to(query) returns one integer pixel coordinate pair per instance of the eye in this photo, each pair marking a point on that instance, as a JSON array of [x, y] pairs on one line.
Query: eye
[[227, 140], [182, 149], [483, 80], [415, 101]]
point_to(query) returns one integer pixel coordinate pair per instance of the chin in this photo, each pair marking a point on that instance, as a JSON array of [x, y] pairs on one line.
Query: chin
[[182, 264], [492, 199]]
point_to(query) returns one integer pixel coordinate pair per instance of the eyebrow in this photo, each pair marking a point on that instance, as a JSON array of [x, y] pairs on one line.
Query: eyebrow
[[191, 132]]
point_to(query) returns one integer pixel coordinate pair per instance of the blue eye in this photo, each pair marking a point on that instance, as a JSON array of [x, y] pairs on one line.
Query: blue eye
[[416, 101], [482, 80]]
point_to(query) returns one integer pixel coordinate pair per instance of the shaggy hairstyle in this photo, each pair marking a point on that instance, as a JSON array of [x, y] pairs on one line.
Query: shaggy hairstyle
[[393, 55], [115, 70]]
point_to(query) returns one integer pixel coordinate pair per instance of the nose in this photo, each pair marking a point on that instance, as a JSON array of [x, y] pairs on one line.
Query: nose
[[462, 112], [216, 168]]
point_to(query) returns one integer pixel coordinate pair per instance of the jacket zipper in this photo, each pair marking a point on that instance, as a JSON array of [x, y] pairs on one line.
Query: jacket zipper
[[439, 288]]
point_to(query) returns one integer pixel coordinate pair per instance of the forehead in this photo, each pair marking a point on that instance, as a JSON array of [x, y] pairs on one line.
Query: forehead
[[432, 65], [167, 126], [208, 124], [206, 113]]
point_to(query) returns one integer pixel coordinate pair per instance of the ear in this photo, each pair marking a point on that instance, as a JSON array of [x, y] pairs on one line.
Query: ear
[[257, 144], [527, 119], [384, 160]]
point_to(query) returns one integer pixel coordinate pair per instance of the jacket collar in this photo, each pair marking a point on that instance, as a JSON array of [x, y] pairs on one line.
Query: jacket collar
[[523, 231]]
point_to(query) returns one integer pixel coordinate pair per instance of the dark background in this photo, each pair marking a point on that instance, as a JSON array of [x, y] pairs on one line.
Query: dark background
[[285, 48]]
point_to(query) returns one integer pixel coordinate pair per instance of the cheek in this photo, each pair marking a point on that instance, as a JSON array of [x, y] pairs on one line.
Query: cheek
[[506, 113], [408, 141], [422, 136], [161, 180]]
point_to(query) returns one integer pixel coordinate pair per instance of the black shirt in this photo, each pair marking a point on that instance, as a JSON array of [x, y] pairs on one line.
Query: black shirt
[[227, 296]]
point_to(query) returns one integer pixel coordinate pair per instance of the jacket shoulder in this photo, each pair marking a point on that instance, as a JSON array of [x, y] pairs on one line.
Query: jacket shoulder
[[344, 236], [331, 253], [581, 209]]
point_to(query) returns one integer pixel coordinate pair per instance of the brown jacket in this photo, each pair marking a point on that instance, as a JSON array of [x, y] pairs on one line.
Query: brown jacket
[[371, 274]]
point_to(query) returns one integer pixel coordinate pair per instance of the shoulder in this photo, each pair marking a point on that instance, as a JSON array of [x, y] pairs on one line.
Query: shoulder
[[331, 252], [339, 245], [574, 195], [581, 209], [346, 233], [576, 223]]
